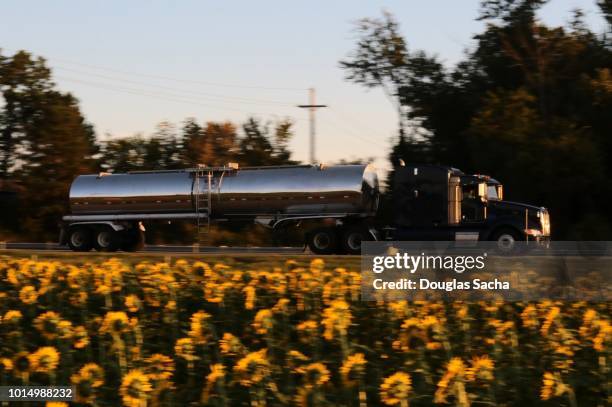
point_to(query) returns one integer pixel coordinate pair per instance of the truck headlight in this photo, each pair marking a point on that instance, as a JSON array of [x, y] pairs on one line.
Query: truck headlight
[[544, 221]]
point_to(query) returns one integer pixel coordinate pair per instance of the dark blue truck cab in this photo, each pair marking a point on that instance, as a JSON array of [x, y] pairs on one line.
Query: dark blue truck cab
[[443, 203]]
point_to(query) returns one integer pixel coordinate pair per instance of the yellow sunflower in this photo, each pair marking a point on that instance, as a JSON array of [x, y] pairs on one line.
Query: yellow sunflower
[[21, 364], [159, 367], [185, 349], [253, 368], [93, 372], [217, 371], [230, 345], [263, 322], [315, 374], [86, 381], [45, 359], [80, 337], [64, 329], [12, 316], [200, 330], [115, 322], [132, 303], [135, 389], [353, 369], [28, 295], [395, 389], [48, 324], [6, 365]]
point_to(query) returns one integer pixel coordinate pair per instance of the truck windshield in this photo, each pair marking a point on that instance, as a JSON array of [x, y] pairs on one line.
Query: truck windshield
[[492, 192]]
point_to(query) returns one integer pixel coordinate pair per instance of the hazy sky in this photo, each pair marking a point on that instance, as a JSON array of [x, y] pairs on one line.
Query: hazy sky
[[133, 64]]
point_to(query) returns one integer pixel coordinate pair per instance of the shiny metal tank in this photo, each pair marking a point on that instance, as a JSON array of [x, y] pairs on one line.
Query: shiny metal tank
[[158, 192], [246, 192]]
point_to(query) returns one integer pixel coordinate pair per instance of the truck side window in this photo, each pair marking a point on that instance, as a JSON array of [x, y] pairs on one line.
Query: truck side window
[[470, 204]]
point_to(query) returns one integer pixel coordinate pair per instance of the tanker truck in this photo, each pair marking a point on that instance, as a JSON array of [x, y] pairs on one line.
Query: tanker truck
[[335, 207]]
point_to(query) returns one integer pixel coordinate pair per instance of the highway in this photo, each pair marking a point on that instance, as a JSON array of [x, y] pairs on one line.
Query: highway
[[165, 249], [591, 249]]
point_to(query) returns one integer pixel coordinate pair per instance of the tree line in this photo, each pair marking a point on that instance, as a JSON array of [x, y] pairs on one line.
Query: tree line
[[529, 104], [46, 142]]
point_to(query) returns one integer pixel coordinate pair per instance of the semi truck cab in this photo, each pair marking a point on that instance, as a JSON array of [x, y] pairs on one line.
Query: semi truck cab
[[443, 203]]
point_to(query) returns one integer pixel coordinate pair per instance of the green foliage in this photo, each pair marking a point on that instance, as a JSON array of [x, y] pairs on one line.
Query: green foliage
[[606, 9], [213, 144], [380, 59], [45, 143], [529, 105], [509, 10], [24, 82], [161, 151], [262, 146]]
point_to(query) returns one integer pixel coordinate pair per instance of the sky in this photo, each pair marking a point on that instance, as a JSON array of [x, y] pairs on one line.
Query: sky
[[135, 64]]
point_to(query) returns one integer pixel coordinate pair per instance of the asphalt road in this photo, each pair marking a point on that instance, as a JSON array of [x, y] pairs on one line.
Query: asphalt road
[[595, 249], [166, 248]]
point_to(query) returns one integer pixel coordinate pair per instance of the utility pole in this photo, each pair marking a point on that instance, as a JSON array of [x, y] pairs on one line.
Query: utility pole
[[312, 107]]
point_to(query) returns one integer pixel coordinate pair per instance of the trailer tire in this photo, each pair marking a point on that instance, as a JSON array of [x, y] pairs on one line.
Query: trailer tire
[[133, 241], [106, 240], [323, 241], [352, 238], [79, 239]]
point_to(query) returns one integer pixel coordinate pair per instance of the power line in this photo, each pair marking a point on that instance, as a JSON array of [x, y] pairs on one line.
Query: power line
[[353, 132], [158, 95], [346, 131], [349, 118], [165, 93], [167, 78], [229, 98]]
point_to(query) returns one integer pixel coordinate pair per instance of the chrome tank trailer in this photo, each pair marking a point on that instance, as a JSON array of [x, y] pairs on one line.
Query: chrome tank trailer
[[226, 192]]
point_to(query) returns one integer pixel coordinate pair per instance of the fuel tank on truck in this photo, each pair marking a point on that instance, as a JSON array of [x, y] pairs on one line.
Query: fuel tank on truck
[[246, 192]]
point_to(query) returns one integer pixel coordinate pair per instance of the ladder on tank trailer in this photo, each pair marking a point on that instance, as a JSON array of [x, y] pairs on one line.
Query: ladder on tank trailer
[[204, 179]]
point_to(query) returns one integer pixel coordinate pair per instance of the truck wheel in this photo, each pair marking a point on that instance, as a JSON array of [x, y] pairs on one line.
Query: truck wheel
[[79, 239], [352, 238], [106, 240], [323, 241], [507, 241], [133, 241]]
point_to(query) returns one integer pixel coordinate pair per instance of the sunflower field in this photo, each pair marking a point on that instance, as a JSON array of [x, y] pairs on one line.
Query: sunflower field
[[285, 332]]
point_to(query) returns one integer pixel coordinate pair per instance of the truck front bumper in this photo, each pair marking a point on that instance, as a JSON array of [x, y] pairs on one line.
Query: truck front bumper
[[541, 241]]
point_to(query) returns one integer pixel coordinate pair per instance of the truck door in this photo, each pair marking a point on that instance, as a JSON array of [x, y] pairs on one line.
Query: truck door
[[473, 205]]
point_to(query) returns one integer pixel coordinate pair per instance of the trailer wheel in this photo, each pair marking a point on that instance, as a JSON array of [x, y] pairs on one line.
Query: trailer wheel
[[323, 241], [352, 238], [79, 239], [106, 240], [133, 241], [507, 241]]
